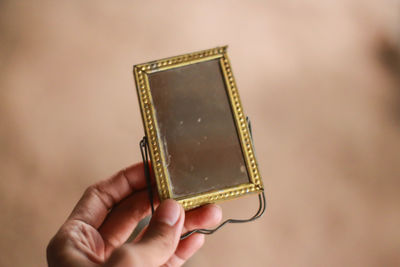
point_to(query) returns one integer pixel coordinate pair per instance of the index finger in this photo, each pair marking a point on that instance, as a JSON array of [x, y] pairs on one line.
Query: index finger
[[99, 198]]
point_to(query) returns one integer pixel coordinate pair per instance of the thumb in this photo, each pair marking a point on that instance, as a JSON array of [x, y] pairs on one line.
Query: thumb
[[161, 238]]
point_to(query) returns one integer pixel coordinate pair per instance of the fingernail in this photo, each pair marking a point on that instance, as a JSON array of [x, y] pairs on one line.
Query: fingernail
[[169, 212]]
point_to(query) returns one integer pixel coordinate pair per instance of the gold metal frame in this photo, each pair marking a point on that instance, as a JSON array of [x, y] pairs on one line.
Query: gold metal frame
[[141, 73]]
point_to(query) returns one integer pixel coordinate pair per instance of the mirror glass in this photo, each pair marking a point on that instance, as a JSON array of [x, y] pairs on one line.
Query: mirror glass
[[196, 125]]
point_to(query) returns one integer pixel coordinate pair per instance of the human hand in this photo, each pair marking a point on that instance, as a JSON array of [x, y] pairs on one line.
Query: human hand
[[97, 229]]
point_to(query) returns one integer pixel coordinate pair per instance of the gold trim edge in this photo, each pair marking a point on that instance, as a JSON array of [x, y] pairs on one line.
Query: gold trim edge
[[141, 72]]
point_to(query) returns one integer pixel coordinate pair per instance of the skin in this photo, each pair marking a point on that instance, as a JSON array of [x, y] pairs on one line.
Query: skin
[[97, 229]]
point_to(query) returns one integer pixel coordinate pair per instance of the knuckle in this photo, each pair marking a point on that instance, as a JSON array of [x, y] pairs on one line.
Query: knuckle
[[94, 188], [91, 190], [99, 192]]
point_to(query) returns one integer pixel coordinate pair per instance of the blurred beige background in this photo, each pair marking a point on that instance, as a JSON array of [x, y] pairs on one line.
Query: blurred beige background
[[319, 79]]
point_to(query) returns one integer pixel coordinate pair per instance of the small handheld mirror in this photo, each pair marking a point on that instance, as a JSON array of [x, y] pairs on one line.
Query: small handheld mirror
[[199, 142]]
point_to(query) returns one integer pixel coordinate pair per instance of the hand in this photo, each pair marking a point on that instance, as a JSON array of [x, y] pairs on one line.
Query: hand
[[97, 229]]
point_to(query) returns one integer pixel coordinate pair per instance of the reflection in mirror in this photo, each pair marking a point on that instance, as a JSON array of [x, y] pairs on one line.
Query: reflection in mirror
[[196, 126]]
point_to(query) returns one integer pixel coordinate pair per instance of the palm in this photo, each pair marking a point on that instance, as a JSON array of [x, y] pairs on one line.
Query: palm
[[107, 214]]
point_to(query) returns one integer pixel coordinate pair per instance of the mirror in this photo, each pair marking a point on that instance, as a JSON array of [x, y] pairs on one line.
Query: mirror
[[196, 126], [199, 145]]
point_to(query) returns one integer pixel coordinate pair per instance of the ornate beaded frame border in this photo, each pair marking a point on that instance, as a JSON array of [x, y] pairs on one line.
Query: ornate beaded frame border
[[141, 73]]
